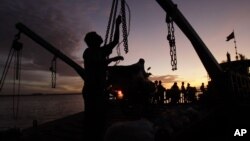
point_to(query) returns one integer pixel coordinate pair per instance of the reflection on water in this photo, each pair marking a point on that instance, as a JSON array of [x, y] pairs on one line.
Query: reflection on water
[[42, 108]]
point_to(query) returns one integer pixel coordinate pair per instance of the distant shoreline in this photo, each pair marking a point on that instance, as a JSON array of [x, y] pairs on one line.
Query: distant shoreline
[[39, 94]]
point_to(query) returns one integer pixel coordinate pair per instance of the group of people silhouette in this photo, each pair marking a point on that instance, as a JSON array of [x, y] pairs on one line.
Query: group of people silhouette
[[175, 95]]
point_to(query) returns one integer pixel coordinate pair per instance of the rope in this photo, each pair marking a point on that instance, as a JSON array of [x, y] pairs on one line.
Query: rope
[[16, 51], [6, 68], [118, 51], [9, 59], [113, 22], [17, 76], [111, 18]]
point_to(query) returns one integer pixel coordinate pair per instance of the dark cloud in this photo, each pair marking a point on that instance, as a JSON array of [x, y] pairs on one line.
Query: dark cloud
[[62, 23]]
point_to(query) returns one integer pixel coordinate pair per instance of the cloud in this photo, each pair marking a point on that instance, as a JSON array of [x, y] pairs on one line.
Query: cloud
[[62, 23], [165, 78]]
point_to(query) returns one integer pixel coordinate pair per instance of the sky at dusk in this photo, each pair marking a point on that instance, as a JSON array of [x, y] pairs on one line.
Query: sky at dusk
[[64, 24]]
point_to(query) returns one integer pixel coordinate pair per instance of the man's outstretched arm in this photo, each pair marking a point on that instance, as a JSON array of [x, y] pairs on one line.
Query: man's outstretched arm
[[117, 58]]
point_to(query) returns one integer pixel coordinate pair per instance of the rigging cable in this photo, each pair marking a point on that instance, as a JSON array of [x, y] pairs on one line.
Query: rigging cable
[[16, 51], [6, 68], [111, 19], [17, 76]]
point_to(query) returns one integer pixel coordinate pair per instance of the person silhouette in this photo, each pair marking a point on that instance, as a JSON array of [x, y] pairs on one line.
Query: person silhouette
[[183, 91], [175, 93], [156, 97], [202, 88], [161, 91], [95, 64]]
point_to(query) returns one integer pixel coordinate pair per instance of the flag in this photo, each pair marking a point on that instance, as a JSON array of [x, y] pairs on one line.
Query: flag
[[231, 36]]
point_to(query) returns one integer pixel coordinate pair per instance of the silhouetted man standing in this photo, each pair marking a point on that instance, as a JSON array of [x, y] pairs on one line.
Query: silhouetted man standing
[[161, 92], [183, 91], [175, 93], [95, 63]]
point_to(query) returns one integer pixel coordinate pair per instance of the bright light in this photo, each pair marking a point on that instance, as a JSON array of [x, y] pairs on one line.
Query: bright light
[[119, 94]]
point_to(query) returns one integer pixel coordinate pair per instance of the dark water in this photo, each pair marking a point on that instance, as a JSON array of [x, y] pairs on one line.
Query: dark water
[[42, 108]]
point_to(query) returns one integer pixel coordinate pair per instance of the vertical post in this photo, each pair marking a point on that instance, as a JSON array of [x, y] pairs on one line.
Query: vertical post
[[236, 53]]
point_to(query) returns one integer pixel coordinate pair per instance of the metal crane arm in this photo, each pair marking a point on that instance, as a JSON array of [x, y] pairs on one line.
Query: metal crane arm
[[22, 28], [209, 62]]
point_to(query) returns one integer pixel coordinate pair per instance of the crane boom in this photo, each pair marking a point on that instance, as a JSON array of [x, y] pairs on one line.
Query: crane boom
[[209, 62], [23, 29]]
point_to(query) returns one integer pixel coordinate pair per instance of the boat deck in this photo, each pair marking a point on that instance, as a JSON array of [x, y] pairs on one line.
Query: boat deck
[[178, 122]]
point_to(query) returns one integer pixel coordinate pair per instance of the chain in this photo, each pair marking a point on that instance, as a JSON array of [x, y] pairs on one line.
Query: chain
[[171, 40], [53, 72], [124, 26]]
